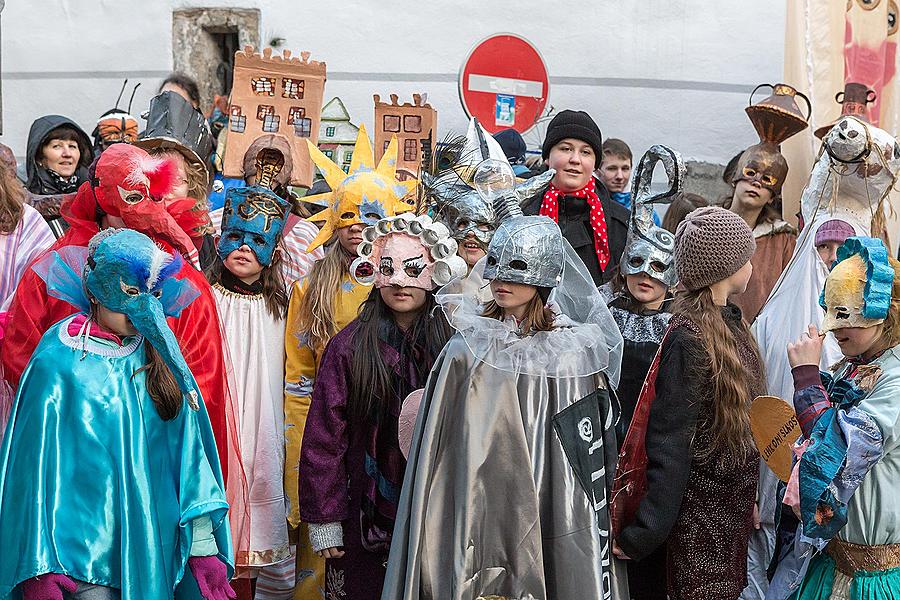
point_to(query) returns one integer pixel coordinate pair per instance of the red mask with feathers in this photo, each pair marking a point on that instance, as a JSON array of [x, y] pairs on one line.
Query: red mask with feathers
[[131, 184]]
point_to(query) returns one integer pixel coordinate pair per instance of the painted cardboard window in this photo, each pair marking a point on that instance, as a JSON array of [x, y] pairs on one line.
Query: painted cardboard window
[[386, 143], [329, 132], [263, 86], [263, 110], [303, 127], [392, 123], [410, 150], [295, 113], [271, 123], [292, 88], [328, 153], [412, 123], [348, 158], [236, 121]]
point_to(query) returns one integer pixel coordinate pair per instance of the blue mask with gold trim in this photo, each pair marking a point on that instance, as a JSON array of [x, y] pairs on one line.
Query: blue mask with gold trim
[[253, 216]]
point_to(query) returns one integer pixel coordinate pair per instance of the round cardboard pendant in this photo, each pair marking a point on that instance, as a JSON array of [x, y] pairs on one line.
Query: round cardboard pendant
[[775, 429]]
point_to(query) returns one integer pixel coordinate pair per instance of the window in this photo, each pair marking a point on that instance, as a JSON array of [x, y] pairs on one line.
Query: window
[[237, 122], [303, 127], [410, 150], [292, 88], [386, 144], [348, 156], [412, 123], [263, 86], [271, 123], [329, 132], [295, 113], [392, 123], [425, 144], [264, 110], [328, 153], [346, 165]]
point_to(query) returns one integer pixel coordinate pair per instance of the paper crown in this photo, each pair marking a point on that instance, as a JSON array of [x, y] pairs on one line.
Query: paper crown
[[366, 194]]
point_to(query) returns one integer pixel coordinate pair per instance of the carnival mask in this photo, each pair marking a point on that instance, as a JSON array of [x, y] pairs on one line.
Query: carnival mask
[[650, 249], [858, 290], [253, 216], [130, 184], [526, 249], [775, 118], [407, 251], [366, 195], [466, 214]]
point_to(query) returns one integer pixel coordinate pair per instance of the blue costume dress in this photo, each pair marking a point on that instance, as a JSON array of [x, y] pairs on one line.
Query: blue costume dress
[[94, 484]]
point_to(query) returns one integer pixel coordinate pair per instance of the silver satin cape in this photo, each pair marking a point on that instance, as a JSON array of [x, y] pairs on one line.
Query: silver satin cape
[[509, 471]]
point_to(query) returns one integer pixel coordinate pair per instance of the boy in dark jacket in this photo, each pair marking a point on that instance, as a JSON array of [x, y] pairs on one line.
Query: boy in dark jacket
[[594, 224]]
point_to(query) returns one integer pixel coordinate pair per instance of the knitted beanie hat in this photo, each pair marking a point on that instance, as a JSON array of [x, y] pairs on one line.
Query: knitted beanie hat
[[711, 244], [834, 230], [575, 124]]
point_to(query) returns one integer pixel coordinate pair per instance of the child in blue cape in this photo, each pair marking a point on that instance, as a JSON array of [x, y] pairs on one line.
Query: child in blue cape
[[110, 484]]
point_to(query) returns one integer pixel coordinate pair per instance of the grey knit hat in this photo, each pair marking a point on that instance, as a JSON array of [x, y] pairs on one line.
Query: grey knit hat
[[711, 244]]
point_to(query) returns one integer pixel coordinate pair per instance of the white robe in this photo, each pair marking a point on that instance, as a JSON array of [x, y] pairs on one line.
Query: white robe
[[255, 342]]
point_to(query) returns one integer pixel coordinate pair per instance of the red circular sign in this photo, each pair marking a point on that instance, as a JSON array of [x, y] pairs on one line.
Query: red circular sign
[[504, 83]]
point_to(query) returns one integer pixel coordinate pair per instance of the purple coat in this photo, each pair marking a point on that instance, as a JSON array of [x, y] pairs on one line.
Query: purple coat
[[334, 482]]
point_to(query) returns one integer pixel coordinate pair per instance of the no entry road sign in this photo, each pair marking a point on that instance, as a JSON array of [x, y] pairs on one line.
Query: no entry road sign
[[503, 83]]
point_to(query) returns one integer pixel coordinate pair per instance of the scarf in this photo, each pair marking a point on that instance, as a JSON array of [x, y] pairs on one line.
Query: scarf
[[550, 208], [65, 185]]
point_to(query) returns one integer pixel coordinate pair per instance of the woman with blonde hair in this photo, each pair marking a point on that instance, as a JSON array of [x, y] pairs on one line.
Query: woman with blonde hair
[[326, 301]]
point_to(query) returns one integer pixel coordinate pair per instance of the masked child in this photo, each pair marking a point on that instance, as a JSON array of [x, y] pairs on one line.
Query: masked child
[[110, 443], [252, 299], [351, 462], [844, 488]]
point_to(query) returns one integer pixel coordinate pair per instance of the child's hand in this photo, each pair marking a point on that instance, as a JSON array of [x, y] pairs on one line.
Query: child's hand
[[807, 350]]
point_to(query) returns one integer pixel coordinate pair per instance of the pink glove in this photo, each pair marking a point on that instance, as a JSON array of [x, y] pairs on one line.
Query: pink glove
[[49, 586], [212, 577]]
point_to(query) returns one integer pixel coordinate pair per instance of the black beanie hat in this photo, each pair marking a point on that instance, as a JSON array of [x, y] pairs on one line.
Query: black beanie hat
[[575, 124]]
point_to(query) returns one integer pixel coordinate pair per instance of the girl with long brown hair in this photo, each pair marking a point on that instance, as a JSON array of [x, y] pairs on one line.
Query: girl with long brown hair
[[351, 463], [702, 467], [252, 302]]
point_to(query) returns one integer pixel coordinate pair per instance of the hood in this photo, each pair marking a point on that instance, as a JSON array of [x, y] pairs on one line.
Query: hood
[[38, 181]]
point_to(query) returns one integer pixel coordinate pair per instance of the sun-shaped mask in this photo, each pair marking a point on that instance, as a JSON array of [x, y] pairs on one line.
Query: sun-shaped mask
[[364, 195]]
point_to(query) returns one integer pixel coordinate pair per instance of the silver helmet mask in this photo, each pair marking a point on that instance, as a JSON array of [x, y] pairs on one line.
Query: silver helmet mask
[[467, 213], [650, 249], [527, 250], [653, 256]]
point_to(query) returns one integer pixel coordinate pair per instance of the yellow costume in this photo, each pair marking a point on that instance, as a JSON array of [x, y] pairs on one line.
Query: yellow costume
[[364, 195]]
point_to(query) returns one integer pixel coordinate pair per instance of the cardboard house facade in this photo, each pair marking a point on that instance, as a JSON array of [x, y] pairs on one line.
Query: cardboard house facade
[[415, 126], [337, 135], [274, 96]]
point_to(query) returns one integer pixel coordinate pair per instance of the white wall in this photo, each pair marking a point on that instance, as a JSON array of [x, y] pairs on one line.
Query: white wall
[[651, 71]]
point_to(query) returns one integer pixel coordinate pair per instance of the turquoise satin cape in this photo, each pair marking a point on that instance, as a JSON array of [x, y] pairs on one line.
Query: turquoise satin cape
[[94, 484]]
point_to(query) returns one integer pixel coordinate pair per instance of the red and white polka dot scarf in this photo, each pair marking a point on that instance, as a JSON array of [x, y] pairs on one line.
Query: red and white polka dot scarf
[[550, 208]]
